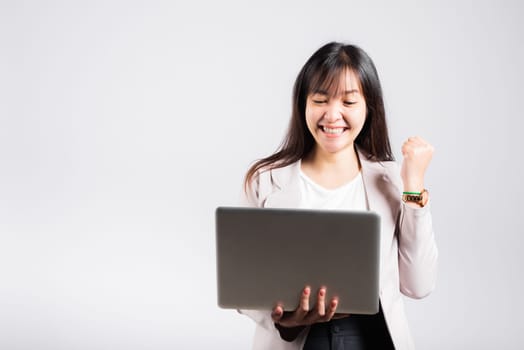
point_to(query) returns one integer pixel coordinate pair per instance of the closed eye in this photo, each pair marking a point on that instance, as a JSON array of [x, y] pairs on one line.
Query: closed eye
[[319, 101], [349, 103]]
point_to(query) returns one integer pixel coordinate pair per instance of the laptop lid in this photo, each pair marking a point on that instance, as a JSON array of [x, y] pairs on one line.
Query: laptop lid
[[266, 256]]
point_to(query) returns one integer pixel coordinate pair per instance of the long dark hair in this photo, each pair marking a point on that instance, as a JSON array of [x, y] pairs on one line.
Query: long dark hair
[[323, 71]]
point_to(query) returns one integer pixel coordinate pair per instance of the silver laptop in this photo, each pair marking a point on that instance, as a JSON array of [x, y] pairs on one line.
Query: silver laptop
[[266, 256]]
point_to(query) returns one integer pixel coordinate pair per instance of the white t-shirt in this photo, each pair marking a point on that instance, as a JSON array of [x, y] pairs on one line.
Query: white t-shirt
[[350, 196]]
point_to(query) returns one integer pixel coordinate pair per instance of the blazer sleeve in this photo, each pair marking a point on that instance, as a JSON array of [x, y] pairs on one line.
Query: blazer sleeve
[[417, 252]]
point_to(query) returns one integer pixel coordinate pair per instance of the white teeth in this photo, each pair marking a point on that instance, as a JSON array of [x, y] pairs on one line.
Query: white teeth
[[336, 131]]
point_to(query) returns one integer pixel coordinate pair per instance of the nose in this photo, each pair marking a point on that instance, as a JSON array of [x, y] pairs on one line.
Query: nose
[[333, 113]]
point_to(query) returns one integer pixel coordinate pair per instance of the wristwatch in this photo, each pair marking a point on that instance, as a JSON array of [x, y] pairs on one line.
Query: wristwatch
[[418, 198]]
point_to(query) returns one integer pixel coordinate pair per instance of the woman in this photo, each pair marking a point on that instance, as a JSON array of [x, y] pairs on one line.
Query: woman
[[337, 155]]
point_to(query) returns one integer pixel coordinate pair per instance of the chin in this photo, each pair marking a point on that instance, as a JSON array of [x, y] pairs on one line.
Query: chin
[[337, 149]]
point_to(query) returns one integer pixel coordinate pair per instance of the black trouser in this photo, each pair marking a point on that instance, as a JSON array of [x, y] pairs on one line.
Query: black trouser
[[357, 332]]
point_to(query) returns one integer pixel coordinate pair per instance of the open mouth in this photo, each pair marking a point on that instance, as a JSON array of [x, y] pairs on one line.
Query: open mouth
[[333, 131]]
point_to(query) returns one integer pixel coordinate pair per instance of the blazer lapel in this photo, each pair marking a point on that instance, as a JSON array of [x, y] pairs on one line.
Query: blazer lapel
[[286, 193], [372, 174]]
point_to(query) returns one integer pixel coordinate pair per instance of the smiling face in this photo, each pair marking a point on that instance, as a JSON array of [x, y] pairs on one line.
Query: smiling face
[[335, 116]]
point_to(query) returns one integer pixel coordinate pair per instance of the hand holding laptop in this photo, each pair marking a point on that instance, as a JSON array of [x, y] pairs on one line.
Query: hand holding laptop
[[303, 315]]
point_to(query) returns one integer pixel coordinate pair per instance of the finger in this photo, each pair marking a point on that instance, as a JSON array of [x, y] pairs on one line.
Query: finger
[[412, 148], [422, 148], [321, 302], [407, 149], [422, 143], [417, 141], [410, 142], [404, 148], [277, 313], [331, 310], [303, 307]]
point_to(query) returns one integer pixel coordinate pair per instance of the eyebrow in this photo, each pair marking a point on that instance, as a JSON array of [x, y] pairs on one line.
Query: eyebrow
[[347, 92]]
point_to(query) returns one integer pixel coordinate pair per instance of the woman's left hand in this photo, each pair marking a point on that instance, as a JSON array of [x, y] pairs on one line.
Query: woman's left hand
[[417, 154]]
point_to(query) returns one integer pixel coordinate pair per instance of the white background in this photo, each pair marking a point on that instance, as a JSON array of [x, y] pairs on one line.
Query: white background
[[123, 124]]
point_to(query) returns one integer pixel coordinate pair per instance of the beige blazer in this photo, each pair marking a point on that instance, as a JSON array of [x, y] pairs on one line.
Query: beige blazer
[[408, 255]]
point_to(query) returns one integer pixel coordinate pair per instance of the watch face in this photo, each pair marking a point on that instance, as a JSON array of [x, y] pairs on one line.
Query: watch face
[[412, 197], [421, 199]]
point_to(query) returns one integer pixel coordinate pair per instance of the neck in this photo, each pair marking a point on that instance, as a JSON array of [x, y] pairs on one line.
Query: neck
[[345, 160], [331, 170]]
